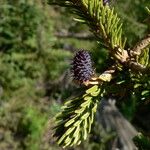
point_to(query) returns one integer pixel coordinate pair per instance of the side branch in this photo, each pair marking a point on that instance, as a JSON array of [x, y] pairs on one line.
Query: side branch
[[136, 67], [106, 76], [136, 51]]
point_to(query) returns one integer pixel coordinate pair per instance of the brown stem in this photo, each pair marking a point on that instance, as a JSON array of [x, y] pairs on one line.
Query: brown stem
[[136, 67], [106, 76], [145, 42]]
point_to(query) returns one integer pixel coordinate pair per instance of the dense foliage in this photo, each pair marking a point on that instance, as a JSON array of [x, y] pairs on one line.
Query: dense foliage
[[28, 64]]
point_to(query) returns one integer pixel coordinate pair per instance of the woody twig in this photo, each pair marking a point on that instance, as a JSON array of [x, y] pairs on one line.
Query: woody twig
[[137, 49]]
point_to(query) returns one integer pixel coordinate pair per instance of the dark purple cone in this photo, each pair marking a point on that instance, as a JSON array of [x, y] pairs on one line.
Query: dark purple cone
[[82, 69]]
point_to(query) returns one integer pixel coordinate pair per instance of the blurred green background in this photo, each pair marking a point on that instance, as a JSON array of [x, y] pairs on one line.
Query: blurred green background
[[37, 43]]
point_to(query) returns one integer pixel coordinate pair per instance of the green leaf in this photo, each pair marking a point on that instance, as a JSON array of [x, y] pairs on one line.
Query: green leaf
[[145, 92], [69, 122], [144, 57], [92, 89], [96, 93]]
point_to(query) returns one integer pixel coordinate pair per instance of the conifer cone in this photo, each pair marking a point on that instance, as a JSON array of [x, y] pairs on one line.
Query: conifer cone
[[82, 69]]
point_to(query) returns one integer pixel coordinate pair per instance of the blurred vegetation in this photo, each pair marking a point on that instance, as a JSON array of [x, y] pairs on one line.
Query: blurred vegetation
[[34, 62]]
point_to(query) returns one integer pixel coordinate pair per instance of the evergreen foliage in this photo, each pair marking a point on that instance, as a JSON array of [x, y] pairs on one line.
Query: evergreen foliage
[[131, 69], [76, 118], [27, 62], [34, 82]]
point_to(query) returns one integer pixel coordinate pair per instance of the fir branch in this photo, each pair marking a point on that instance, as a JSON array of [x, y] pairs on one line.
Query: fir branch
[[76, 116], [142, 44], [74, 121], [136, 67], [106, 26], [102, 21], [106, 76]]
